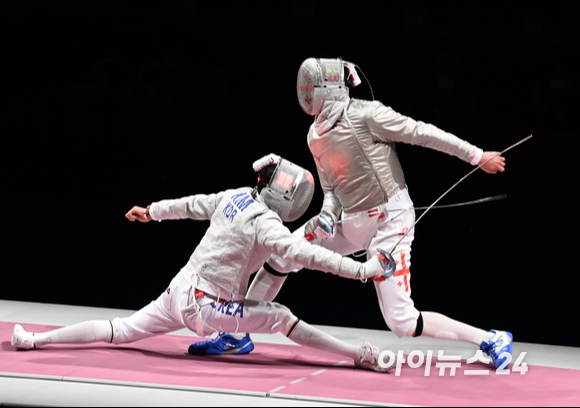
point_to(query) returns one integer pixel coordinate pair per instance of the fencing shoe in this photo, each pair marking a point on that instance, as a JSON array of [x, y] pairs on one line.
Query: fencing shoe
[[369, 359], [499, 344], [21, 339], [224, 344]]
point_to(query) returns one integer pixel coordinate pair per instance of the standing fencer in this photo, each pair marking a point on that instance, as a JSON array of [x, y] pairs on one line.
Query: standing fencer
[[353, 144], [208, 294]]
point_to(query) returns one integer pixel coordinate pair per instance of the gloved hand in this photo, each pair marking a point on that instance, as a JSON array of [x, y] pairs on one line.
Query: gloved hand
[[380, 267], [321, 226]]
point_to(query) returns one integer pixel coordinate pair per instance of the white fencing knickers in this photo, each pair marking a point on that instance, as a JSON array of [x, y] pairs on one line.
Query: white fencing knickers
[[380, 227], [174, 310], [158, 317], [245, 316]]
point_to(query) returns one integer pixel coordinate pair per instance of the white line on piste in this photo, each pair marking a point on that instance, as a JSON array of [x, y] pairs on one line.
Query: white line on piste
[[275, 390]]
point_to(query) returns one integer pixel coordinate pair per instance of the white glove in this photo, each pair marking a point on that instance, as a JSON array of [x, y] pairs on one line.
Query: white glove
[[321, 226], [380, 267]]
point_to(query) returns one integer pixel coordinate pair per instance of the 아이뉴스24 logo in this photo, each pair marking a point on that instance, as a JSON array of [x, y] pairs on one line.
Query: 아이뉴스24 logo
[[417, 359]]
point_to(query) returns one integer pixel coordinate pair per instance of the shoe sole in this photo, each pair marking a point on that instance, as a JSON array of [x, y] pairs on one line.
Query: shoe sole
[[206, 349], [238, 350], [371, 367]]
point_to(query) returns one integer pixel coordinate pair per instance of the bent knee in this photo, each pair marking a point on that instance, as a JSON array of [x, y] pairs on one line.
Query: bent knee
[[122, 331], [403, 326], [285, 319], [126, 331]]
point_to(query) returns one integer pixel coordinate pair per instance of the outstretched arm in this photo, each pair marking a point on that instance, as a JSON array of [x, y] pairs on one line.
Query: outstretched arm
[[197, 207], [386, 125], [277, 239]]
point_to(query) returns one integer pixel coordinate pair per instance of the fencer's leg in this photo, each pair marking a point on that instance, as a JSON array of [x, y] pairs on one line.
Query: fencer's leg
[[150, 321], [495, 344], [271, 277], [405, 320], [394, 295], [270, 317], [438, 326], [273, 274], [365, 357], [265, 287], [81, 333], [159, 317], [268, 281], [306, 335], [266, 284]]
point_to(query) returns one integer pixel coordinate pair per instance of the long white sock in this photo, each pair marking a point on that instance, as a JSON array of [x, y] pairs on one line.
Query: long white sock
[[81, 333], [309, 336], [437, 326]]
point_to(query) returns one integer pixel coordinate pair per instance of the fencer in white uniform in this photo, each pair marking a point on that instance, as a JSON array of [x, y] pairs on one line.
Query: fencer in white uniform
[[208, 295], [366, 201]]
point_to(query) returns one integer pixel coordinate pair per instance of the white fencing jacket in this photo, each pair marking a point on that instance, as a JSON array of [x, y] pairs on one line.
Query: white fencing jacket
[[243, 234]]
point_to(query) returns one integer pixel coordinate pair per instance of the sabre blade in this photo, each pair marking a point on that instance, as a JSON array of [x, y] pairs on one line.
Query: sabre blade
[[455, 185], [481, 200]]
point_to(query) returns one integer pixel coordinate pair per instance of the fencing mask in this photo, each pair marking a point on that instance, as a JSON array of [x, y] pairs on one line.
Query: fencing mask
[[320, 79], [289, 189]]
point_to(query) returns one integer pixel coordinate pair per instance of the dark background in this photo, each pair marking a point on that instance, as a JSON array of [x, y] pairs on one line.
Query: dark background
[[110, 104]]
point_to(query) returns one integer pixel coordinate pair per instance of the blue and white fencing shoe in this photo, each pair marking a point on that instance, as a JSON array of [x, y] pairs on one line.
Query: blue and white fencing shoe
[[224, 344], [494, 348]]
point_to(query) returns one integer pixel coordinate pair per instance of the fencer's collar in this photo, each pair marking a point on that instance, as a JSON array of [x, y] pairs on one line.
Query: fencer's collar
[[332, 110], [257, 196]]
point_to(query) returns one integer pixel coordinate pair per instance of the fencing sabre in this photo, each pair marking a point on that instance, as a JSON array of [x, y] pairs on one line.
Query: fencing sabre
[[465, 203], [392, 266]]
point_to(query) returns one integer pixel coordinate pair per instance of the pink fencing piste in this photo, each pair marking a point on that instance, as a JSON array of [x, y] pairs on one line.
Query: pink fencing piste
[[288, 370]]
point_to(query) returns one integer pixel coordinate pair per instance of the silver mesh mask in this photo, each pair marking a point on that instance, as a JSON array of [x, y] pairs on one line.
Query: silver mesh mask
[[290, 191], [318, 80]]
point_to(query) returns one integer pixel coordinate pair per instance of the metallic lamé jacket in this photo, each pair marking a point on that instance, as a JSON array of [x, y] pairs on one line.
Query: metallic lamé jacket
[[357, 160]]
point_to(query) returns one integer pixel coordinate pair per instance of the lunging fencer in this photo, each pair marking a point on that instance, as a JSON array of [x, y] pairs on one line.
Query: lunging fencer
[[208, 295], [366, 199]]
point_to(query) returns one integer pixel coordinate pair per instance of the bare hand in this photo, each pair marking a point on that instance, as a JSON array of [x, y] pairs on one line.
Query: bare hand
[[137, 213], [497, 162]]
